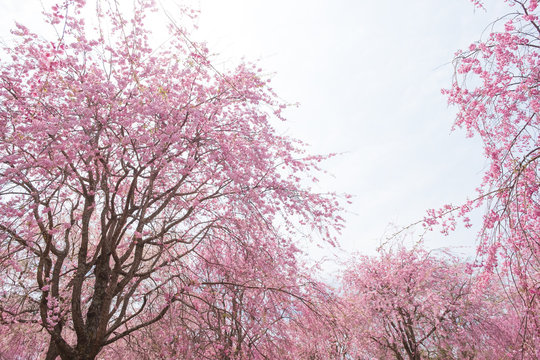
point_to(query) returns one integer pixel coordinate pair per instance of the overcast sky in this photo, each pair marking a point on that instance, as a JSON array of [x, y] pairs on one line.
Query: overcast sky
[[367, 75]]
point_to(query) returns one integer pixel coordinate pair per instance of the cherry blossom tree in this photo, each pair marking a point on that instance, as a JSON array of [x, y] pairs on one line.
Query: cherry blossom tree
[[496, 92], [323, 334], [411, 304], [235, 313], [139, 184]]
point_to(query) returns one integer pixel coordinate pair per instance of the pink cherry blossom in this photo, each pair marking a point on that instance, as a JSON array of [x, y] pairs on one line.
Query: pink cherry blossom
[[145, 197]]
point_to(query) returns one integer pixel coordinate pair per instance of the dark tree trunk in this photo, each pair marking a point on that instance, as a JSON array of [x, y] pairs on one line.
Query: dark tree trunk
[[52, 351]]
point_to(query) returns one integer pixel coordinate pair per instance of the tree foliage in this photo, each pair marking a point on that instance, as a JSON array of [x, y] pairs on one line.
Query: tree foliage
[[412, 304], [139, 184], [496, 92]]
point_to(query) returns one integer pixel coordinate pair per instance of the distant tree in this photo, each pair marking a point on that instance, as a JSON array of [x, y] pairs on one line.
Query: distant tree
[[139, 184], [240, 312], [322, 334], [496, 90], [411, 304]]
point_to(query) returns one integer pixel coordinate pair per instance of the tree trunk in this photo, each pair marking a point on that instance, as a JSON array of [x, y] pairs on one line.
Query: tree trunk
[[52, 351]]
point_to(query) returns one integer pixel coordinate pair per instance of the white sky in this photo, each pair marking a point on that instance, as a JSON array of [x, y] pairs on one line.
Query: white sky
[[368, 76]]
